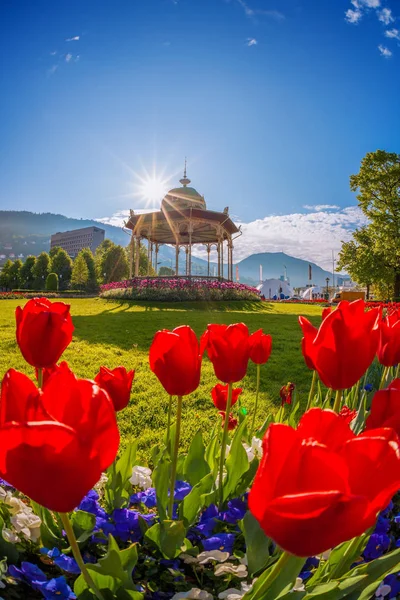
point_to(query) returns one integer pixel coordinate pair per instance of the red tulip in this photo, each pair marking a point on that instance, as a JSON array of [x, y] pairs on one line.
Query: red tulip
[[48, 372], [326, 311], [44, 330], [385, 408], [260, 347], [321, 485], [219, 395], [176, 360], [286, 393], [232, 421], [228, 349], [117, 383], [55, 443], [344, 346], [389, 342], [347, 414]]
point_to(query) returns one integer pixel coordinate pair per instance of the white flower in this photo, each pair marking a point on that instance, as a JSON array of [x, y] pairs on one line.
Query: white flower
[[3, 494], [230, 593], [194, 594], [10, 536], [299, 585], [99, 487], [141, 477], [28, 524], [205, 557], [243, 560], [14, 504], [382, 591], [231, 569]]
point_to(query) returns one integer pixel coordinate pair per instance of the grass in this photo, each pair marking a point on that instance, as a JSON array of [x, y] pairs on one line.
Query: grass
[[111, 333]]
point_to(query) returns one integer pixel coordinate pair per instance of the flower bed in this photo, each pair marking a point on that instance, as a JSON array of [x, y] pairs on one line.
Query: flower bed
[[177, 289], [299, 508], [26, 295]]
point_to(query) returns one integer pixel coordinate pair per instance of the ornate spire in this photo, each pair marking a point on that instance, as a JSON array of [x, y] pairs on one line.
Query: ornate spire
[[185, 181]]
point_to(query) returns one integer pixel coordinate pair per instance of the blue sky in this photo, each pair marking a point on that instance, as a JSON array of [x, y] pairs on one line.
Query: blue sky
[[274, 102]]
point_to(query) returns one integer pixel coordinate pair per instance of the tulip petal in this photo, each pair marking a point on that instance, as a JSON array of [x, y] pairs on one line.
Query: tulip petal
[[326, 427]]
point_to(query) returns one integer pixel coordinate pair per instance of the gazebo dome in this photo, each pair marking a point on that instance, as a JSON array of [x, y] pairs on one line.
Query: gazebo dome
[[183, 197]]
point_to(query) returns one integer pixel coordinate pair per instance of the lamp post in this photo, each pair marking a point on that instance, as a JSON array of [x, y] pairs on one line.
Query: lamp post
[[327, 287]]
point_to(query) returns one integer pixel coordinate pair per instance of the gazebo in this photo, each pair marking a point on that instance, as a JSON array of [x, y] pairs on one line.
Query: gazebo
[[182, 222]]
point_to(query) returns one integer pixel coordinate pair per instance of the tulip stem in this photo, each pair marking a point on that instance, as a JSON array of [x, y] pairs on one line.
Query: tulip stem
[[256, 403], [40, 378], [169, 421], [397, 372], [338, 400], [175, 457], [78, 556], [223, 446], [383, 378], [312, 390]]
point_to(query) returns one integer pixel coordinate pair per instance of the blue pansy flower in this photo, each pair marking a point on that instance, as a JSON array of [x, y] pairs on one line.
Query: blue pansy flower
[[64, 562], [237, 508], [368, 387], [221, 541], [377, 545], [90, 504], [57, 589], [182, 489], [382, 525], [394, 582], [148, 498], [388, 509], [208, 520], [127, 526], [28, 573]]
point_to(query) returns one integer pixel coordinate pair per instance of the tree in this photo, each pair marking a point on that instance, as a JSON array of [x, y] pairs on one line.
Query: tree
[[41, 270], [5, 280], [27, 277], [54, 250], [61, 264], [52, 282], [15, 274], [80, 272], [166, 271], [87, 254], [113, 265], [143, 261], [378, 186]]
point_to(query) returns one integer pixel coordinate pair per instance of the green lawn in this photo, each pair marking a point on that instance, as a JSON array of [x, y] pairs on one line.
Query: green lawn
[[114, 333]]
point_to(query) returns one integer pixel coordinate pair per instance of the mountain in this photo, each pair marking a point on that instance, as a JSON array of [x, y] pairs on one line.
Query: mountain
[[24, 233]]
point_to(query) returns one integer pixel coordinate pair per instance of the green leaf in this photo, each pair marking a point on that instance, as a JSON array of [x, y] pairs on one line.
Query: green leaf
[[83, 524], [212, 452], [196, 467], [50, 532], [126, 463], [105, 583], [7, 550], [117, 563], [340, 560], [192, 504], [129, 558], [260, 432], [236, 464], [128, 595], [279, 578], [257, 544], [161, 475], [168, 536], [247, 478]]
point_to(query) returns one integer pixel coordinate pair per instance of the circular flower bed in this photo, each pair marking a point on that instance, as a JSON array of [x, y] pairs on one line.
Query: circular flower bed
[[178, 289]]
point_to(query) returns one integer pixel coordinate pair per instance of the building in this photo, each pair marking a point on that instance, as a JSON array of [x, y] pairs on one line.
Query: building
[[77, 239], [182, 222]]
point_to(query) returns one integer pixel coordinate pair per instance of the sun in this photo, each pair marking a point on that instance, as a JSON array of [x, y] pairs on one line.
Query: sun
[[152, 189]]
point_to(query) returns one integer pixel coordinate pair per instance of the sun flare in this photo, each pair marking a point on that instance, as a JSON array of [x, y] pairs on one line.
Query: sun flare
[[152, 188]]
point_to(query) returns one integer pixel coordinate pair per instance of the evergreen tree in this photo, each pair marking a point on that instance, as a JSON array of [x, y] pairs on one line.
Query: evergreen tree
[[61, 264], [87, 254], [5, 280], [80, 273], [113, 264], [27, 277], [166, 271], [52, 282], [15, 274], [41, 270]]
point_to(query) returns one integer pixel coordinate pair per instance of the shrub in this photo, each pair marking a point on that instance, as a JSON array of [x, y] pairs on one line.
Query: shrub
[[52, 282]]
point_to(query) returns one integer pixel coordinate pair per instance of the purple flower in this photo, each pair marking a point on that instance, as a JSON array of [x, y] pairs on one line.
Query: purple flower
[[127, 525], [237, 508], [148, 498], [28, 573], [57, 589], [377, 545], [221, 541], [182, 489]]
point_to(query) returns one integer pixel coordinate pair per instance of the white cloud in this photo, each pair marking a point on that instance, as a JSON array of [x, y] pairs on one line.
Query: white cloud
[[353, 16], [52, 70], [68, 57], [118, 219], [251, 42], [53, 53], [76, 38], [385, 16], [319, 207], [252, 12], [385, 51], [311, 236], [393, 33]]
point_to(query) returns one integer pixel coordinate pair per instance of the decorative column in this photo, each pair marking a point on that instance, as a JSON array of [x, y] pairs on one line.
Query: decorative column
[[222, 258], [219, 258], [131, 255], [156, 258], [231, 253], [208, 259], [137, 257], [177, 259], [190, 249]]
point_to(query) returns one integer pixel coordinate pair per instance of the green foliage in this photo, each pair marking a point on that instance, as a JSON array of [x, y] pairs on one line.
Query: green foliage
[[27, 277], [52, 282], [180, 295], [87, 254], [5, 280], [40, 270], [111, 262], [166, 271], [15, 274], [270, 587], [195, 466], [61, 264], [257, 544], [117, 489], [372, 257], [80, 272]]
